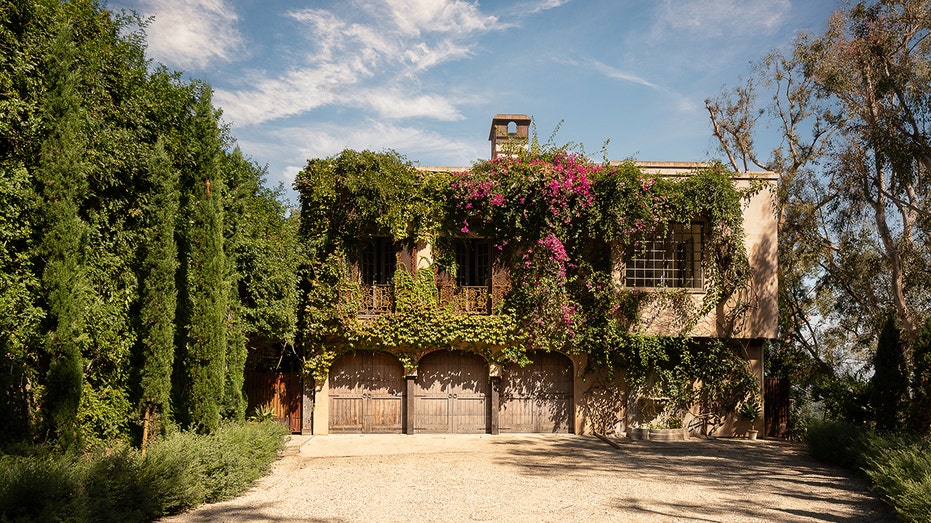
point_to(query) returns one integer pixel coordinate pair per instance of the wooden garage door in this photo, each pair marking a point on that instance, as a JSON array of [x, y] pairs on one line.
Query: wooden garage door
[[451, 393], [366, 393], [537, 397]]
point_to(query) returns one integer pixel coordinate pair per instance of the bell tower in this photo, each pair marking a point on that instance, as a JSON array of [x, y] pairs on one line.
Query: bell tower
[[509, 132]]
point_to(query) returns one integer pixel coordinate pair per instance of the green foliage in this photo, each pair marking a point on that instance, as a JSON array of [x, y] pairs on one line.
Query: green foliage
[[920, 415], [262, 412], [158, 293], [848, 103], [749, 410], [837, 442], [900, 469], [92, 317], [889, 384], [552, 216], [416, 326], [707, 375], [180, 471], [372, 193], [40, 488], [207, 299], [898, 466]]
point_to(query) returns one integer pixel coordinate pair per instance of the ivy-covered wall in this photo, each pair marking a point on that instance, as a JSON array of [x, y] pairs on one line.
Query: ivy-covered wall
[[554, 219]]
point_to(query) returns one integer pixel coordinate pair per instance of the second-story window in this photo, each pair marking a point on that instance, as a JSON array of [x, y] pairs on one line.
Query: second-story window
[[473, 258], [378, 260], [673, 260]]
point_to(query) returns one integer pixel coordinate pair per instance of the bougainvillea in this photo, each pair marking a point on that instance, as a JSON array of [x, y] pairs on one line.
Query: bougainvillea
[[555, 221]]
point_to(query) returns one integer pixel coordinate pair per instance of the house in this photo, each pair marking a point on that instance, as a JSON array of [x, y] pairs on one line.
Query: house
[[412, 377]]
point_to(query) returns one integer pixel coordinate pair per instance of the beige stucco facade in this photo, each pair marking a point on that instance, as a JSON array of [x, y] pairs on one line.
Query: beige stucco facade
[[598, 404]]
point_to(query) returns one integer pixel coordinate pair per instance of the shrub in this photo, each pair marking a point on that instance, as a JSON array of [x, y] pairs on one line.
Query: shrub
[[39, 488], [180, 471], [898, 466], [228, 461], [836, 442], [901, 474]]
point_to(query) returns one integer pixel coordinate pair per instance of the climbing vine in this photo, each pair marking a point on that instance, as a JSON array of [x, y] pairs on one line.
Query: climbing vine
[[555, 221]]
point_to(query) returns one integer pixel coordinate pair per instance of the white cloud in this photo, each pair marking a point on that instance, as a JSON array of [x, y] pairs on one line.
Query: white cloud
[[680, 102], [190, 33], [546, 5], [394, 103], [294, 93], [617, 74], [715, 18], [367, 56], [414, 17]]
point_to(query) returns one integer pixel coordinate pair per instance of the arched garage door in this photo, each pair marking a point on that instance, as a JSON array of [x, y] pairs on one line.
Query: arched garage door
[[537, 397], [366, 393], [451, 393]]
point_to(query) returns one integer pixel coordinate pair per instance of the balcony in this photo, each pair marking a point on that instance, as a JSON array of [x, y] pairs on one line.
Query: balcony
[[466, 299], [376, 299]]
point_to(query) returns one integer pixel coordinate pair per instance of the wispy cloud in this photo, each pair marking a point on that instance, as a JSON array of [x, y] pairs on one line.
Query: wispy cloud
[[415, 17], [624, 76], [366, 58], [681, 102], [190, 33], [545, 5], [393, 103], [714, 18]]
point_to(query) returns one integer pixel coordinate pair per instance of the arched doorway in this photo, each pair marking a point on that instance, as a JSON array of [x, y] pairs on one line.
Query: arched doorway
[[451, 393], [366, 394], [538, 396]]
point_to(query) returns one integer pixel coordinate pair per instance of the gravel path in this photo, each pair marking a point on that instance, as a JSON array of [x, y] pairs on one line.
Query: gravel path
[[546, 478]]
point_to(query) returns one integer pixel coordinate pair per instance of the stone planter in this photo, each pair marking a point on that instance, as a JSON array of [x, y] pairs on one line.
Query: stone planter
[[752, 434], [658, 434]]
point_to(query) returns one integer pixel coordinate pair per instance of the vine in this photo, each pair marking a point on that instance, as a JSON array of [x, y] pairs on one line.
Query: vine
[[553, 218]]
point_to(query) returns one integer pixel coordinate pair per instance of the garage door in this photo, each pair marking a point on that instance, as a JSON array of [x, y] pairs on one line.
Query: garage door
[[366, 393], [538, 396], [451, 393]]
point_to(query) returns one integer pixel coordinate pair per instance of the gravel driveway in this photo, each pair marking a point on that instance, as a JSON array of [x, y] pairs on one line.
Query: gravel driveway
[[342, 478]]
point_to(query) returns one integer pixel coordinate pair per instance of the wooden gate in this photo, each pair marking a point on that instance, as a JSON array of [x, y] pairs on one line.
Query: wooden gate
[[366, 394], [537, 397], [451, 394], [281, 391], [776, 408]]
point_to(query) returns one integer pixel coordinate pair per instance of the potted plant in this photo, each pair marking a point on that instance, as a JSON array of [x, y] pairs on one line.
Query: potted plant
[[750, 411]]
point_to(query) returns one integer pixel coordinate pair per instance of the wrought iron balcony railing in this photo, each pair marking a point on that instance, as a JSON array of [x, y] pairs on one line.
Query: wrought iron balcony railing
[[467, 299], [376, 299]]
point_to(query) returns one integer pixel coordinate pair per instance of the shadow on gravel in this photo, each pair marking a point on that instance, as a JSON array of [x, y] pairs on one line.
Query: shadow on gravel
[[256, 512], [749, 476]]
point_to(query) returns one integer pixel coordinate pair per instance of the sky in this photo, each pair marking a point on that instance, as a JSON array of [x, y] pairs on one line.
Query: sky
[[301, 79]]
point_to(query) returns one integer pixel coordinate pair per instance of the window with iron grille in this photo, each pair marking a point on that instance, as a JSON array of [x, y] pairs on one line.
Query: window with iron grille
[[378, 259], [673, 260]]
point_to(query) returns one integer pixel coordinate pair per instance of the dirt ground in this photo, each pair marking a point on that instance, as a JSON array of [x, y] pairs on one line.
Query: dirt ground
[[348, 478]]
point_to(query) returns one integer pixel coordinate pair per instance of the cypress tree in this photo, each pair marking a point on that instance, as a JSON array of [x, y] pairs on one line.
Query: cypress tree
[[159, 295], [62, 180], [920, 415], [889, 385], [239, 221], [207, 292]]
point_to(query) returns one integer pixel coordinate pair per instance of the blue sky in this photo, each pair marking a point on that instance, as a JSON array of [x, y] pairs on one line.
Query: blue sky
[[303, 79]]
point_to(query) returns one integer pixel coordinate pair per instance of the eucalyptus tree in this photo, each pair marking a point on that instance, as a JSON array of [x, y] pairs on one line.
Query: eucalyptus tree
[[850, 111]]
